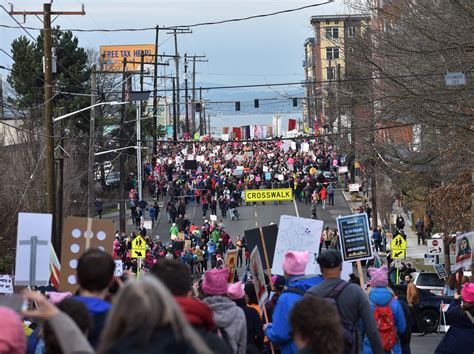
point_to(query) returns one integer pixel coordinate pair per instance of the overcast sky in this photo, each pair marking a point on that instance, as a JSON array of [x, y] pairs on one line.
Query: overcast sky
[[255, 51]]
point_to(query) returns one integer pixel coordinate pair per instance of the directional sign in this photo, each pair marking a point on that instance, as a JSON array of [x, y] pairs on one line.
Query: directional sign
[[138, 247], [398, 254], [138, 253], [398, 243]]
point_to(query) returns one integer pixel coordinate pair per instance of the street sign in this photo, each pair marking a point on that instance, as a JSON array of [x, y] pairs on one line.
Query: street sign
[[457, 78], [398, 254], [435, 246], [398, 263], [430, 259], [398, 243], [138, 247], [440, 270]]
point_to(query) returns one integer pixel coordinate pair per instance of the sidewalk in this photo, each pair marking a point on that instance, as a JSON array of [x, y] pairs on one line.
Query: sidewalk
[[414, 251]]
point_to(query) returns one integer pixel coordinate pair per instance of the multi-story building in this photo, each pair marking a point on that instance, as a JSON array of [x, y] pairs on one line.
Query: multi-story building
[[330, 51]]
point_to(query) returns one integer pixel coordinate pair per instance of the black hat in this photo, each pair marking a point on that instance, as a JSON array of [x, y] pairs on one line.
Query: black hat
[[329, 259]]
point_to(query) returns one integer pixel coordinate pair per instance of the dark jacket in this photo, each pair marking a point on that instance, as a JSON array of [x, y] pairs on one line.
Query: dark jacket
[[460, 337], [162, 341], [254, 328]]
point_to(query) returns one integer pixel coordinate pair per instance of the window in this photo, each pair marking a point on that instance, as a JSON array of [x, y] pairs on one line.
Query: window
[[332, 32], [336, 22], [328, 22], [331, 73], [351, 32], [332, 53]]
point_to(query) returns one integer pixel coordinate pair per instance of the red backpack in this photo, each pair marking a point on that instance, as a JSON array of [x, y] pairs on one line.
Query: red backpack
[[386, 325]]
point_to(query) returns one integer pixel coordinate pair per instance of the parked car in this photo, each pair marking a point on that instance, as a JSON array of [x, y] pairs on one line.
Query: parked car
[[429, 306], [428, 281], [112, 179]]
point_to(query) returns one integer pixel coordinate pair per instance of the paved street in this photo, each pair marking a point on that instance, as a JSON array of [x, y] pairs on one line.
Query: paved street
[[250, 216]]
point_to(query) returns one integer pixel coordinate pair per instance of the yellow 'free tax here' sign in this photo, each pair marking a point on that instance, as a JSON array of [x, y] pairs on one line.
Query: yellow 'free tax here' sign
[[263, 195]]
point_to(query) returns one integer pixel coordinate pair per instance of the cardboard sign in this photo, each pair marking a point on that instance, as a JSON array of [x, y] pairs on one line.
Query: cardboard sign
[[464, 250], [354, 237], [231, 263], [33, 229], [6, 284], [435, 246], [440, 270], [80, 234], [270, 234], [256, 269], [297, 234], [118, 272], [354, 187]]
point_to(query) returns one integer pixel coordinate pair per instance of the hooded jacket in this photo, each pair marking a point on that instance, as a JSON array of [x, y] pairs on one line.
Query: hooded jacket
[[460, 337], [381, 297], [230, 319], [98, 309], [199, 315], [279, 331]]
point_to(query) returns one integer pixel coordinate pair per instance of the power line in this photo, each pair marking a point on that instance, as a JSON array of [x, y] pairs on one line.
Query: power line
[[200, 24]]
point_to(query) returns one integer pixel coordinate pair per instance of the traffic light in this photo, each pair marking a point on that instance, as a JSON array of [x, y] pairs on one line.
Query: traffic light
[[295, 102], [256, 103], [198, 107], [237, 106]]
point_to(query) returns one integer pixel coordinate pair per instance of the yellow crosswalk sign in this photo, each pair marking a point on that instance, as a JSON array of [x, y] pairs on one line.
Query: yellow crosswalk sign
[[399, 243], [397, 254], [138, 247]]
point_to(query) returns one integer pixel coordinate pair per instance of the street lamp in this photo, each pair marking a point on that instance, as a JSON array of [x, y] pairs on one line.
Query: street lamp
[[111, 103]]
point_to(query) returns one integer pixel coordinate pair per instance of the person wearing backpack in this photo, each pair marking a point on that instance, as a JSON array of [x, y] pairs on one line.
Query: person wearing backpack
[[279, 331], [387, 311], [350, 300]]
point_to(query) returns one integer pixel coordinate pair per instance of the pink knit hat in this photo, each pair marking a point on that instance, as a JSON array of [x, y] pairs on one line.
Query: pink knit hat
[[236, 291], [378, 277], [215, 281], [467, 292], [12, 334], [295, 262], [55, 297]]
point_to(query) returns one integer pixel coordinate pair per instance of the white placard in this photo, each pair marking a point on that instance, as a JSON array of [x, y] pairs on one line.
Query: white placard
[[213, 217], [147, 224], [300, 234], [354, 187], [228, 157], [30, 225], [305, 147], [118, 272], [199, 158], [265, 168], [435, 246], [342, 169], [6, 284], [293, 146]]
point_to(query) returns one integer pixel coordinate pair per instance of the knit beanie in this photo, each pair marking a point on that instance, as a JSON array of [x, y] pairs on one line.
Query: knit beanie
[[12, 334], [467, 292], [295, 262], [236, 291], [215, 281], [378, 277]]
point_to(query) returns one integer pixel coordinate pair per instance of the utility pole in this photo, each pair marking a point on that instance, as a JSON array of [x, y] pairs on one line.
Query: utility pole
[[48, 111], [139, 133], [186, 94], [196, 58], [122, 155], [208, 124], [175, 133], [90, 174], [175, 32], [155, 88], [201, 127]]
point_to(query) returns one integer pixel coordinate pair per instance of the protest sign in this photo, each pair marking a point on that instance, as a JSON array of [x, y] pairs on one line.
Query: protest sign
[[464, 250], [118, 272], [213, 217], [440, 270], [80, 234], [187, 244], [231, 263], [6, 284], [256, 269], [297, 234], [354, 237], [33, 249], [253, 238]]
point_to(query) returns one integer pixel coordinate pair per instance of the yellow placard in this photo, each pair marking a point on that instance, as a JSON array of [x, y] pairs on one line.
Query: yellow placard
[[399, 243], [112, 56], [263, 195], [397, 253], [138, 253]]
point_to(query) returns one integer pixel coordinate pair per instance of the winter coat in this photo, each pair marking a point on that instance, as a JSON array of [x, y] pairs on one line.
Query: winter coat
[[460, 337], [230, 320], [98, 309], [381, 297], [279, 331]]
